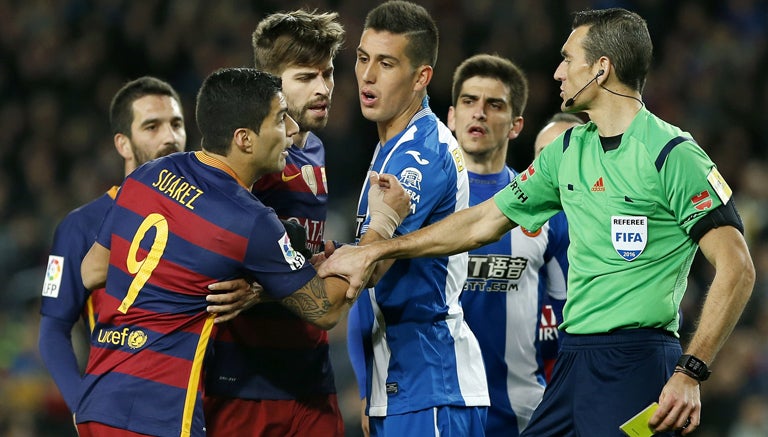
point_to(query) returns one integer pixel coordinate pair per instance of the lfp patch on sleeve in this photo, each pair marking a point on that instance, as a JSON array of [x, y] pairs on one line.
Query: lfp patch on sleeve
[[53, 274], [629, 235], [292, 257], [719, 185]]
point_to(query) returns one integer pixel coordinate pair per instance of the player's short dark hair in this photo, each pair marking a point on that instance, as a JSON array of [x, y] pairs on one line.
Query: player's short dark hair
[[623, 37], [298, 37], [494, 67], [411, 20], [121, 107], [230, 99]]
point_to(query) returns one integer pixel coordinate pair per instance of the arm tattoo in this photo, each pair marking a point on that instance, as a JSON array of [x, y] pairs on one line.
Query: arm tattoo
[[310, 302]]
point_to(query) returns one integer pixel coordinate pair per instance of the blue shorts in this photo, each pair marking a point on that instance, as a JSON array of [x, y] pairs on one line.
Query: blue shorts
[[600, 381], [446, 421]]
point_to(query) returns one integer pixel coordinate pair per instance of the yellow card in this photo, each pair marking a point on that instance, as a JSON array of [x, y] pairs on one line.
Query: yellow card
[[637, 426]]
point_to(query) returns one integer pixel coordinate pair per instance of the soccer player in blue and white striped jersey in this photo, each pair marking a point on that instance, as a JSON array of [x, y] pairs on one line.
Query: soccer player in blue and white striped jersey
[[515, 289], [424, 368]]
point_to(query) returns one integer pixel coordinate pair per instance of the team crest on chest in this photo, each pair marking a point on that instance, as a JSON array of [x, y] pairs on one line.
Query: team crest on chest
[[308, 173], [629, 235], [411, 178]]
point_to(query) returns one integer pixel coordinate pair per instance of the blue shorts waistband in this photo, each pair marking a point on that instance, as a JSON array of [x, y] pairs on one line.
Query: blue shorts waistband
[[619, 337]]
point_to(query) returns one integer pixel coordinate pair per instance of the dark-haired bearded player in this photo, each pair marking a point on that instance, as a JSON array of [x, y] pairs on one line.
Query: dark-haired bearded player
[[271, 372]]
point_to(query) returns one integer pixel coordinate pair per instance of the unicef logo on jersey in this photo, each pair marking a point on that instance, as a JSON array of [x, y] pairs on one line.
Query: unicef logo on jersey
[[629, 235], [134, 339]]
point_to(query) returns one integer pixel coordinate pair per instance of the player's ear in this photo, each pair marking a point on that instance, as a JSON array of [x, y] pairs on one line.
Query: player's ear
[[123, 146], [423, 77], [516, 128], [451, 122], [244, 139]]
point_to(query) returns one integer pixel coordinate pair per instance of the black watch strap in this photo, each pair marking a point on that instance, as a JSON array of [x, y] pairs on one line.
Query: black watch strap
[[693, 367]]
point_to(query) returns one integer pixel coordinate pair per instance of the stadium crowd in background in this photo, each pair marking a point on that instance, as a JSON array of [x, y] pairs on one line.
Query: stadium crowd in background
[[63, 61]]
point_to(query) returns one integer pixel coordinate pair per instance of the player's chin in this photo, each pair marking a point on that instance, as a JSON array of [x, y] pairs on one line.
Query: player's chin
[[371, 114], [316, 123], [167, 150]]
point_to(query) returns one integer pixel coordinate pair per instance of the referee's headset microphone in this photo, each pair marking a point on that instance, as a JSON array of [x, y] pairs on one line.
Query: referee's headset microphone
[[570, 101]]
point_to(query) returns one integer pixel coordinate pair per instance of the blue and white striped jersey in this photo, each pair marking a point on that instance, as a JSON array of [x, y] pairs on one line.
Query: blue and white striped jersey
[[423, 354], [512, 301]]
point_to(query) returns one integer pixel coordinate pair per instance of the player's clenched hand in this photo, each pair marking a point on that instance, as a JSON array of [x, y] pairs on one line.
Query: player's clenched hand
[[388, 203], [395, 195], [351, 263], [235, 296], [679, 406]]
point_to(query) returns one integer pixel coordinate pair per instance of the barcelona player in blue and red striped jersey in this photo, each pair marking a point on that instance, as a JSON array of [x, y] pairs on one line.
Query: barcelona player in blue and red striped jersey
[[147, 122], [179, 224], [271, 373]]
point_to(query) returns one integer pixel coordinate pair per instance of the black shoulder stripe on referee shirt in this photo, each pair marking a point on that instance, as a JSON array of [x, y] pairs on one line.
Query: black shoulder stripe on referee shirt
[[567, 138], [668, 148]]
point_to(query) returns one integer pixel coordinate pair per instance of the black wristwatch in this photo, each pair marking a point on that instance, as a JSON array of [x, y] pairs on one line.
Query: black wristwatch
[[694, 367]]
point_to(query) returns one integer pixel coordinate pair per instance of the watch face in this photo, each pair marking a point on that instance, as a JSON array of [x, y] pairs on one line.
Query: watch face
[[695, 366]]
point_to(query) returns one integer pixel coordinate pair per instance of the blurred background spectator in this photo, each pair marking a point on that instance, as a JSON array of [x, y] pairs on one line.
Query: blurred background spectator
[[62, 60]]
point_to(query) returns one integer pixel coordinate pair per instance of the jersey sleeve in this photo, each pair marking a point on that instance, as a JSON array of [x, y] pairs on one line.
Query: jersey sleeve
[[692, 184], [104, 235], [63, 299], [63, 292], [63, 302], [58, 355], [533, 196], [271, 259]]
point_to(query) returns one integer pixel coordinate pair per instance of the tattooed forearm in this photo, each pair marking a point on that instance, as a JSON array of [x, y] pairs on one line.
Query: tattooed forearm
[[310, 302]]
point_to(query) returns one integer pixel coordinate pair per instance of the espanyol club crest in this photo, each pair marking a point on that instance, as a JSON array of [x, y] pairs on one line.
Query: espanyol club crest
[[629, 235]]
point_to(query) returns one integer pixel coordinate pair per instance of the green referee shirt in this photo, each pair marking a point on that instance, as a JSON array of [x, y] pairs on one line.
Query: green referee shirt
[[629, 214]]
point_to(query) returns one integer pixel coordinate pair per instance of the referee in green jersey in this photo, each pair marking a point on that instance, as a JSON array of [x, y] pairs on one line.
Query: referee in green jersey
[[641, 198]]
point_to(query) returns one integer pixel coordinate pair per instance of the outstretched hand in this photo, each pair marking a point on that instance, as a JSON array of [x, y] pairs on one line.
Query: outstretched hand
[[352, 264], [388, 205]]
